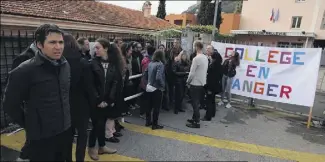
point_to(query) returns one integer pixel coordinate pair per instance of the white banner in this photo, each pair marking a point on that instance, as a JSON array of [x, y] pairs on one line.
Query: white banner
[[287, 75]]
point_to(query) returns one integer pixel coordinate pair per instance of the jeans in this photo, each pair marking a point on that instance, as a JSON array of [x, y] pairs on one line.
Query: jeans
[[196, 93], [155, 99], [226, 87], [110, 128]]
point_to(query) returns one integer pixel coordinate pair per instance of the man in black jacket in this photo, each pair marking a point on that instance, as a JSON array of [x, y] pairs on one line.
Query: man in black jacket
[[26, 55], [84, 46], [43, 83]]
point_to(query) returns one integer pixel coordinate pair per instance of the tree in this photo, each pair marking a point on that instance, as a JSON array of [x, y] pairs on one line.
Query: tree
[[206, 13], [161, 13], [202, 13], [219, 17]]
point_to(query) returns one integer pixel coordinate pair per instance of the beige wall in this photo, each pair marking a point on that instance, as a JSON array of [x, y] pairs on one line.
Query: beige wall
[[256, 15]]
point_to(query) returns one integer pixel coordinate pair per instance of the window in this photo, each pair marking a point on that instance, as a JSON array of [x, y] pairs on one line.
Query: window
[[290, 45], [188, 22], [297, 45], [178, 22], [322, 25], [296, 21], [283, 44]]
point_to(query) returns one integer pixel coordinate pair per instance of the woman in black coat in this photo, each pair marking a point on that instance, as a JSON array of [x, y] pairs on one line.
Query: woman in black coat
[[82, 94], [213, 85], [108, 67], [181, 67]]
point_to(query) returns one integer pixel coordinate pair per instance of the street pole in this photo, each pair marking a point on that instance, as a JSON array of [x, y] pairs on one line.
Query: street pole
[[215, 18]]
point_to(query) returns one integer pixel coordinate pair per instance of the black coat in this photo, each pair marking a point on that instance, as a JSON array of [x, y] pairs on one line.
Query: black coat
[[180, 70], [26, 55], [82, 89], [108, 88], [172, 53], [136, 63], [45, 89], [215, 72]]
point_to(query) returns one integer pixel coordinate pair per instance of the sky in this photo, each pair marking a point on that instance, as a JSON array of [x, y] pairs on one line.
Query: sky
[[172, 7]]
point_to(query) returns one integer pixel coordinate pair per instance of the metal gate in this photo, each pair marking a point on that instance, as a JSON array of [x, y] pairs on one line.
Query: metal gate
[[322, 60]]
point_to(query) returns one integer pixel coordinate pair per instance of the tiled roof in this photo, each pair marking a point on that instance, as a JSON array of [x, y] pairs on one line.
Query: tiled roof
[[84, 11]]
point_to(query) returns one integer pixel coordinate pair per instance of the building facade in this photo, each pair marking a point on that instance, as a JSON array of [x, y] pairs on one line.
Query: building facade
[[230, 21], [182, 19], [283, 23]]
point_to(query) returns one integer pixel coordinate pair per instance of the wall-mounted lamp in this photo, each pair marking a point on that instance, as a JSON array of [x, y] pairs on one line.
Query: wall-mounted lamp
[[303, 32]]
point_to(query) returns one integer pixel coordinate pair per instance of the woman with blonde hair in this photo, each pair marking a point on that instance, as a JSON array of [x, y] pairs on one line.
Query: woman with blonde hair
[[181, 67]]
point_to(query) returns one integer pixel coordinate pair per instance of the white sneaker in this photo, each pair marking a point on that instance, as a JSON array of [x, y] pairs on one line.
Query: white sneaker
[[228, 106], [220, 103], [20, 159]]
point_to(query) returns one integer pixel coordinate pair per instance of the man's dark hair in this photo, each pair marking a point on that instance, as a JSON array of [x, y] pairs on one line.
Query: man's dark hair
[[199, 45], [151, 49], [44, 30], [81, 40], [158, 56]]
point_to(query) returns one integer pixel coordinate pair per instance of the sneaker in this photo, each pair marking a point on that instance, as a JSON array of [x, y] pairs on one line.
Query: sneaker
[[228, 106], [128, 114], [154, 127], [220, 103], [20, 159], [181, 110], [106, 150], [143, 116], [112, 140], [117, 134], [193, 125], [132, 107], [190, 120], [136, 106]]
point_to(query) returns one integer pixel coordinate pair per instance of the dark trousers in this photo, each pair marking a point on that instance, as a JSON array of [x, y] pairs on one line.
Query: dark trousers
[[145, 102], [211, 105], [129, 91], [179, 95], [24, 150], [196, 93], [98, 131], [54, 148], [155, 99], [81, 127], [171, 92], [135, 89]]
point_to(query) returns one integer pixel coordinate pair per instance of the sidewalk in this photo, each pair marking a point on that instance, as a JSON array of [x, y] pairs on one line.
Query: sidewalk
[[321, 80]]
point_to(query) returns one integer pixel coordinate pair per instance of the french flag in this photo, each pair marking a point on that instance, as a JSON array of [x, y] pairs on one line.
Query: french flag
[[272, 15]]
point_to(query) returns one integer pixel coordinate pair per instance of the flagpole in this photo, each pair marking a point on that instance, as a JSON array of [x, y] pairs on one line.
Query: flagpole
[[215, 19]]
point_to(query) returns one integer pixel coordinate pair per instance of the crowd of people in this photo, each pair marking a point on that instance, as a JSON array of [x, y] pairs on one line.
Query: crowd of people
[[55, 87]]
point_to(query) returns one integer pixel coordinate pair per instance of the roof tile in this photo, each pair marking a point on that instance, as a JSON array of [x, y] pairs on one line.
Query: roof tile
[[85, 11]]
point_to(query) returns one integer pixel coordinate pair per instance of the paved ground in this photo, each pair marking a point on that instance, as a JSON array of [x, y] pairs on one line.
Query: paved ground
[[321, 80], [235, 134]]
